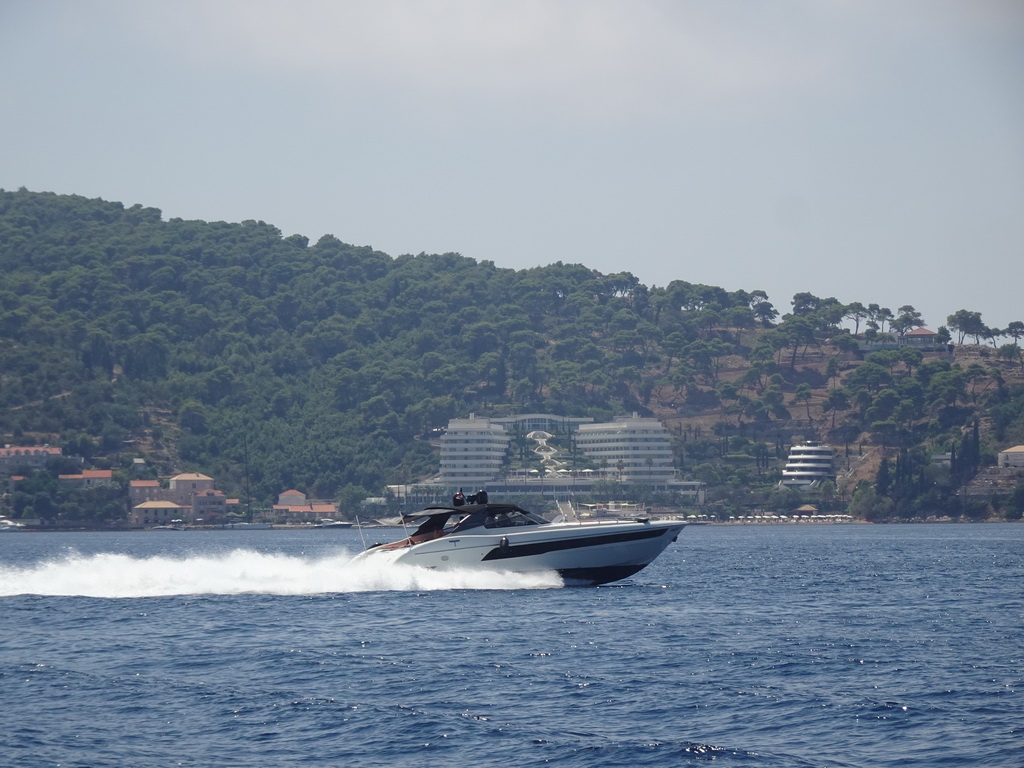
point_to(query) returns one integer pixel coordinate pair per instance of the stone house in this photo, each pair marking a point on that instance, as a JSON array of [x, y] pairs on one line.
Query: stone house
[[1012, 457]]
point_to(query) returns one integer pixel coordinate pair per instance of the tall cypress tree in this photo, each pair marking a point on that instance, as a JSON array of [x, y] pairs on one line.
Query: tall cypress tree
[[883, 481]]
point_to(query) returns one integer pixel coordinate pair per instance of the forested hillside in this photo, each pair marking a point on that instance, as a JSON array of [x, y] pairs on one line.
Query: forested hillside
[[231, 350]]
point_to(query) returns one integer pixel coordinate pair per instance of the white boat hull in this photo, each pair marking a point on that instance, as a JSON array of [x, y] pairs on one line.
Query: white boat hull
[[593, 553]]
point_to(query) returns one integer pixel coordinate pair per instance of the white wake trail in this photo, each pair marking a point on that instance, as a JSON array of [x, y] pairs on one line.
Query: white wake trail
[[242, 572]]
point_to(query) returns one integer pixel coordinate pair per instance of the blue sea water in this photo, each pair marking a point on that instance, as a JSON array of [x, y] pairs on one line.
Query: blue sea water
[[783, 646]]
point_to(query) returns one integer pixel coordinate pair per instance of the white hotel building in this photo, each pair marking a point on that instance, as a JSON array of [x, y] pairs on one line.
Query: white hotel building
[[473, 451], [808, 465], [631, 449]]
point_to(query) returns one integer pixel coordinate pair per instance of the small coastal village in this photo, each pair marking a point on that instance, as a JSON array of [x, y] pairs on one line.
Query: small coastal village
[[191, 499], [186, 499]]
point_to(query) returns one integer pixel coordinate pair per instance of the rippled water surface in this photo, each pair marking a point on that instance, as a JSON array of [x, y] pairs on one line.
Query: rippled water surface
[[844, 645]]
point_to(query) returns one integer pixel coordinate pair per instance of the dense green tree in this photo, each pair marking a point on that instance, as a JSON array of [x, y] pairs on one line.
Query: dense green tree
[[836, 402], [966, 323], [883, 481], [1015, 330], [880, 316], [765, 313], [856, 312], [869, 376], [799, 333], [1011, 353], [906, 320], [804, 394]]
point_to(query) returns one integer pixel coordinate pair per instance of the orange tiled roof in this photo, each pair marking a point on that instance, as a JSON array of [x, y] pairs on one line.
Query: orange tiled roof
[[30, 450], [90, 474], [318, 508]]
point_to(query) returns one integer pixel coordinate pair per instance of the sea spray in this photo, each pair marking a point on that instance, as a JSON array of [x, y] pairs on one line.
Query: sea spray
[[242, 571]]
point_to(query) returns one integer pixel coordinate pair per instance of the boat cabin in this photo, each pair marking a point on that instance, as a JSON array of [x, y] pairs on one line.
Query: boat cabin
[[441, 521]]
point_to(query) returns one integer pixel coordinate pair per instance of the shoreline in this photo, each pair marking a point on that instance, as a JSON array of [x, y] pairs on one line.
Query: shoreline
[[355, 527]]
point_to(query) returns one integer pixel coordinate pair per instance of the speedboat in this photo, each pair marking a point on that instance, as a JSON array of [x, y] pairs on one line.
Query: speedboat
[[504, 537]]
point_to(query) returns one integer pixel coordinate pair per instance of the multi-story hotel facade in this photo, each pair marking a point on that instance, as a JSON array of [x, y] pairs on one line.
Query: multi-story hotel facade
[[808, 465], [473, 451], [635, 449], [629, 449]]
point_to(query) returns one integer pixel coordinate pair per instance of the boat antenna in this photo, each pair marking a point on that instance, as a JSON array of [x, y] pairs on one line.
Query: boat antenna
[[359, 526]]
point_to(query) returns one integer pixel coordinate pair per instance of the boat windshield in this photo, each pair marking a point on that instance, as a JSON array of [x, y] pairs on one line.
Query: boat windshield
[[513, 519], [498, 516]]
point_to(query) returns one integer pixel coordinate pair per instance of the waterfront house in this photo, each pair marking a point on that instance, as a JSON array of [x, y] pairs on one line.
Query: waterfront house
[[208, 506], [183, 487], [144, 490], [293, 507], [87, 478], [150, 513]]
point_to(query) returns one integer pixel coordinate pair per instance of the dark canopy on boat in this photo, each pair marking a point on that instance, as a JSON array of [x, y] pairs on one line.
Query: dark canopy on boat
[[465, 509], [474, 516]]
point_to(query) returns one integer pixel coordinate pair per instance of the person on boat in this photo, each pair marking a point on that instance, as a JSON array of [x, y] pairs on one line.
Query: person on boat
[[481, 496], [458, 499]]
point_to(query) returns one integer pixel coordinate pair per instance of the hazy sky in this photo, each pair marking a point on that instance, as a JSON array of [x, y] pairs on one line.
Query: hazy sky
[[871, 150]]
